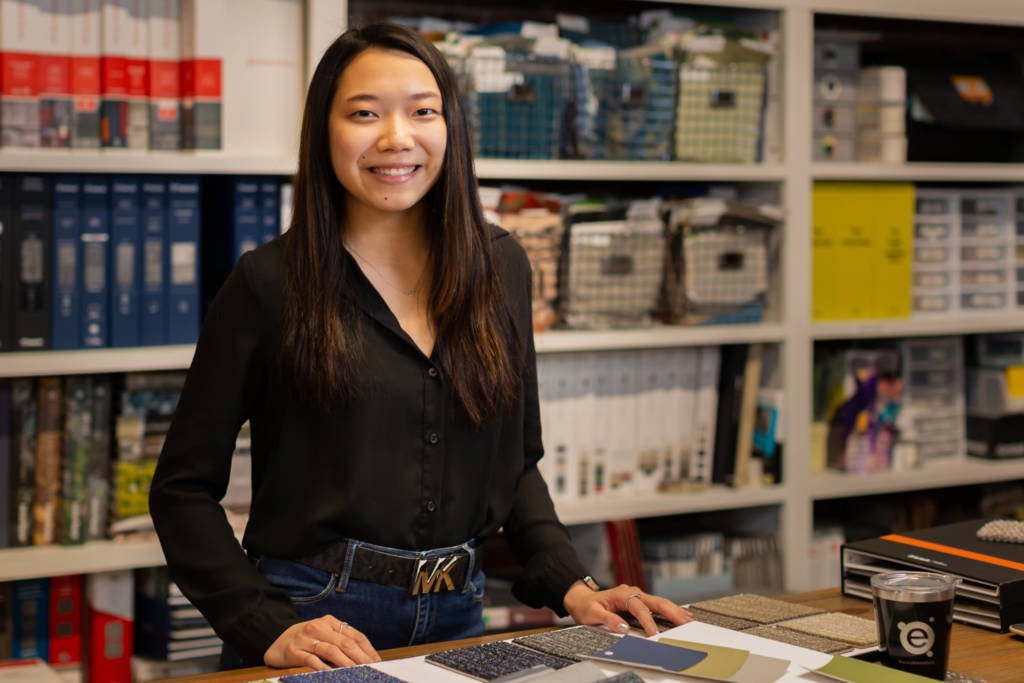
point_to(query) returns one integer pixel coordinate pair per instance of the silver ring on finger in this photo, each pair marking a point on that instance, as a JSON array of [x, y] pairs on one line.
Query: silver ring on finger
[[315, 643], [634, 595], [341, 626]]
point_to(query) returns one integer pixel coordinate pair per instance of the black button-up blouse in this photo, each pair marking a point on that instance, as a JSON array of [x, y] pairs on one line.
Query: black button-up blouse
[[395, 466]]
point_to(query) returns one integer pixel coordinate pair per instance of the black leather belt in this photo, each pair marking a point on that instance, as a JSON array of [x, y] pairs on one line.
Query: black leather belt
[[414, 574]]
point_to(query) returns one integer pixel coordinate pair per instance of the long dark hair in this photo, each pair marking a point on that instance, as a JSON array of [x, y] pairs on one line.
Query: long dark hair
[[322, 336]]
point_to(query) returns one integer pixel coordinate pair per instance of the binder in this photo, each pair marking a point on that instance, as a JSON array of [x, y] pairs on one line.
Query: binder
[[29, 615], [108, 606], [6, 470], [19, 62], [8, 278], [247, 216], [95, 274], [65, 622], [32, 261], [153, 196], [991, 592], [164, 74], [125, 261], [182, 264], [270, 209], [67, 228]]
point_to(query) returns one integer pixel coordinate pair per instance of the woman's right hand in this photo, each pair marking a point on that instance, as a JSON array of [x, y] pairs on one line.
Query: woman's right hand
[[322, 643]]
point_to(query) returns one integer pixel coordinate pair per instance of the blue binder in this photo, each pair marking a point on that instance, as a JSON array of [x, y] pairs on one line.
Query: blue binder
[[95, 282], [67, 229], [126, 262], [183, 240], [153, 196], [30, 618], [270, 209], [247, 221]]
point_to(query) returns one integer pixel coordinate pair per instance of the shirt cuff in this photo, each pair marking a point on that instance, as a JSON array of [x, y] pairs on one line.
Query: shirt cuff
[[547, 578], [252, 634]]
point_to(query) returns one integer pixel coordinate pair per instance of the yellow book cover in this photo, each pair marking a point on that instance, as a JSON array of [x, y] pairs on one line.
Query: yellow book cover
[[863, 233], [893, 206], [826, 226]]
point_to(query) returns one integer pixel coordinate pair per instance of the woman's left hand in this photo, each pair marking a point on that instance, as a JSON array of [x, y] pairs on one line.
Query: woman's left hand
[[602, 608]]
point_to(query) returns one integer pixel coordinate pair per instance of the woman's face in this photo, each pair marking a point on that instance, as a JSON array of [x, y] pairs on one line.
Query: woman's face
[[387, 131]]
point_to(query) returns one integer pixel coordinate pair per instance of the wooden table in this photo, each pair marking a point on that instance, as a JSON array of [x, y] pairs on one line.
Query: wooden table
[[994, 657]]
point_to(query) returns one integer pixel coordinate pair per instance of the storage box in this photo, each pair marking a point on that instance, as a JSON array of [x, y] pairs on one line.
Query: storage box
[[995, 436]]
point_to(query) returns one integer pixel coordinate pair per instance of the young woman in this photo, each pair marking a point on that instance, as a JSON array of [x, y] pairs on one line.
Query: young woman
[[382, 351]]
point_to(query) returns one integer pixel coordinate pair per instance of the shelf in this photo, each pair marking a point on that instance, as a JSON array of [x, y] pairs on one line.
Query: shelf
[[943, 475], [147, 358], [86, 361], [1005, 12], [554, 341], [628, 506], [96, 556], [118, 161], [919, 172], [564, 169], [920, 327]]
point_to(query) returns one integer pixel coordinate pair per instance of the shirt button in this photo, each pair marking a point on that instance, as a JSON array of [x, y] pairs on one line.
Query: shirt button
[[431, 506], [432, 372], [433, 438]]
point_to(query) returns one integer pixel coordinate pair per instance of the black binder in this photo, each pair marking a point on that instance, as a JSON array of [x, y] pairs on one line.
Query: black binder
[[991, 593]]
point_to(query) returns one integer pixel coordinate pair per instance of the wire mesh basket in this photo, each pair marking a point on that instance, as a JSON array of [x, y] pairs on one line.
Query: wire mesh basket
[[641, 103], [722, 258], [612, 269], [518, 102], [720, 112]]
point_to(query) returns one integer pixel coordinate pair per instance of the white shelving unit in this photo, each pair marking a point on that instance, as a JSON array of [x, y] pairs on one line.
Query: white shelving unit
[[795, 333]]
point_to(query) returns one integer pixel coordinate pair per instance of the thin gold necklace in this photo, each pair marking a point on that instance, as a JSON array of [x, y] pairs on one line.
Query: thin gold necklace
[[408, 292]]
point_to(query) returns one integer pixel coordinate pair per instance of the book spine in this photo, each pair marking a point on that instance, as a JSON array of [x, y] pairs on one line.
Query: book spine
[[95, 284], [98, 474], [23, 455], [183, 259], [164, 74], [84, 77], [49, 452], [109, 609], [6, 469], [67, 228], [137, 72], [19, 73], [126, 271], [77, 439], [65, 620], [33, 262], [154, 269], [115, 36], [29, 617], [202, 57], [55, 73]]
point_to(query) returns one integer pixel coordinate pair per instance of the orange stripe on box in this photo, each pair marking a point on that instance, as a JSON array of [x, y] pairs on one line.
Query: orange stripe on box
[[951, 550]]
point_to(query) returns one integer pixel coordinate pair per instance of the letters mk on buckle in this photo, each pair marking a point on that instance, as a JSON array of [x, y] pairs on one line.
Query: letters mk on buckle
[[439, 576]]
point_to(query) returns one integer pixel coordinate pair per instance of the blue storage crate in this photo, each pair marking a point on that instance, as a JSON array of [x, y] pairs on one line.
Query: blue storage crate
[[518, 103], [642, 103]]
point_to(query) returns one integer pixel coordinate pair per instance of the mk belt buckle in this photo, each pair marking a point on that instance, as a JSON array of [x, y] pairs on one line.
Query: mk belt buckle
[[430, 579]]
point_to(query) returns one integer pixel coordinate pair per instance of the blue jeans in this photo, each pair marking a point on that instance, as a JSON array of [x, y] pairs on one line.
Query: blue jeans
[[388, 616]]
